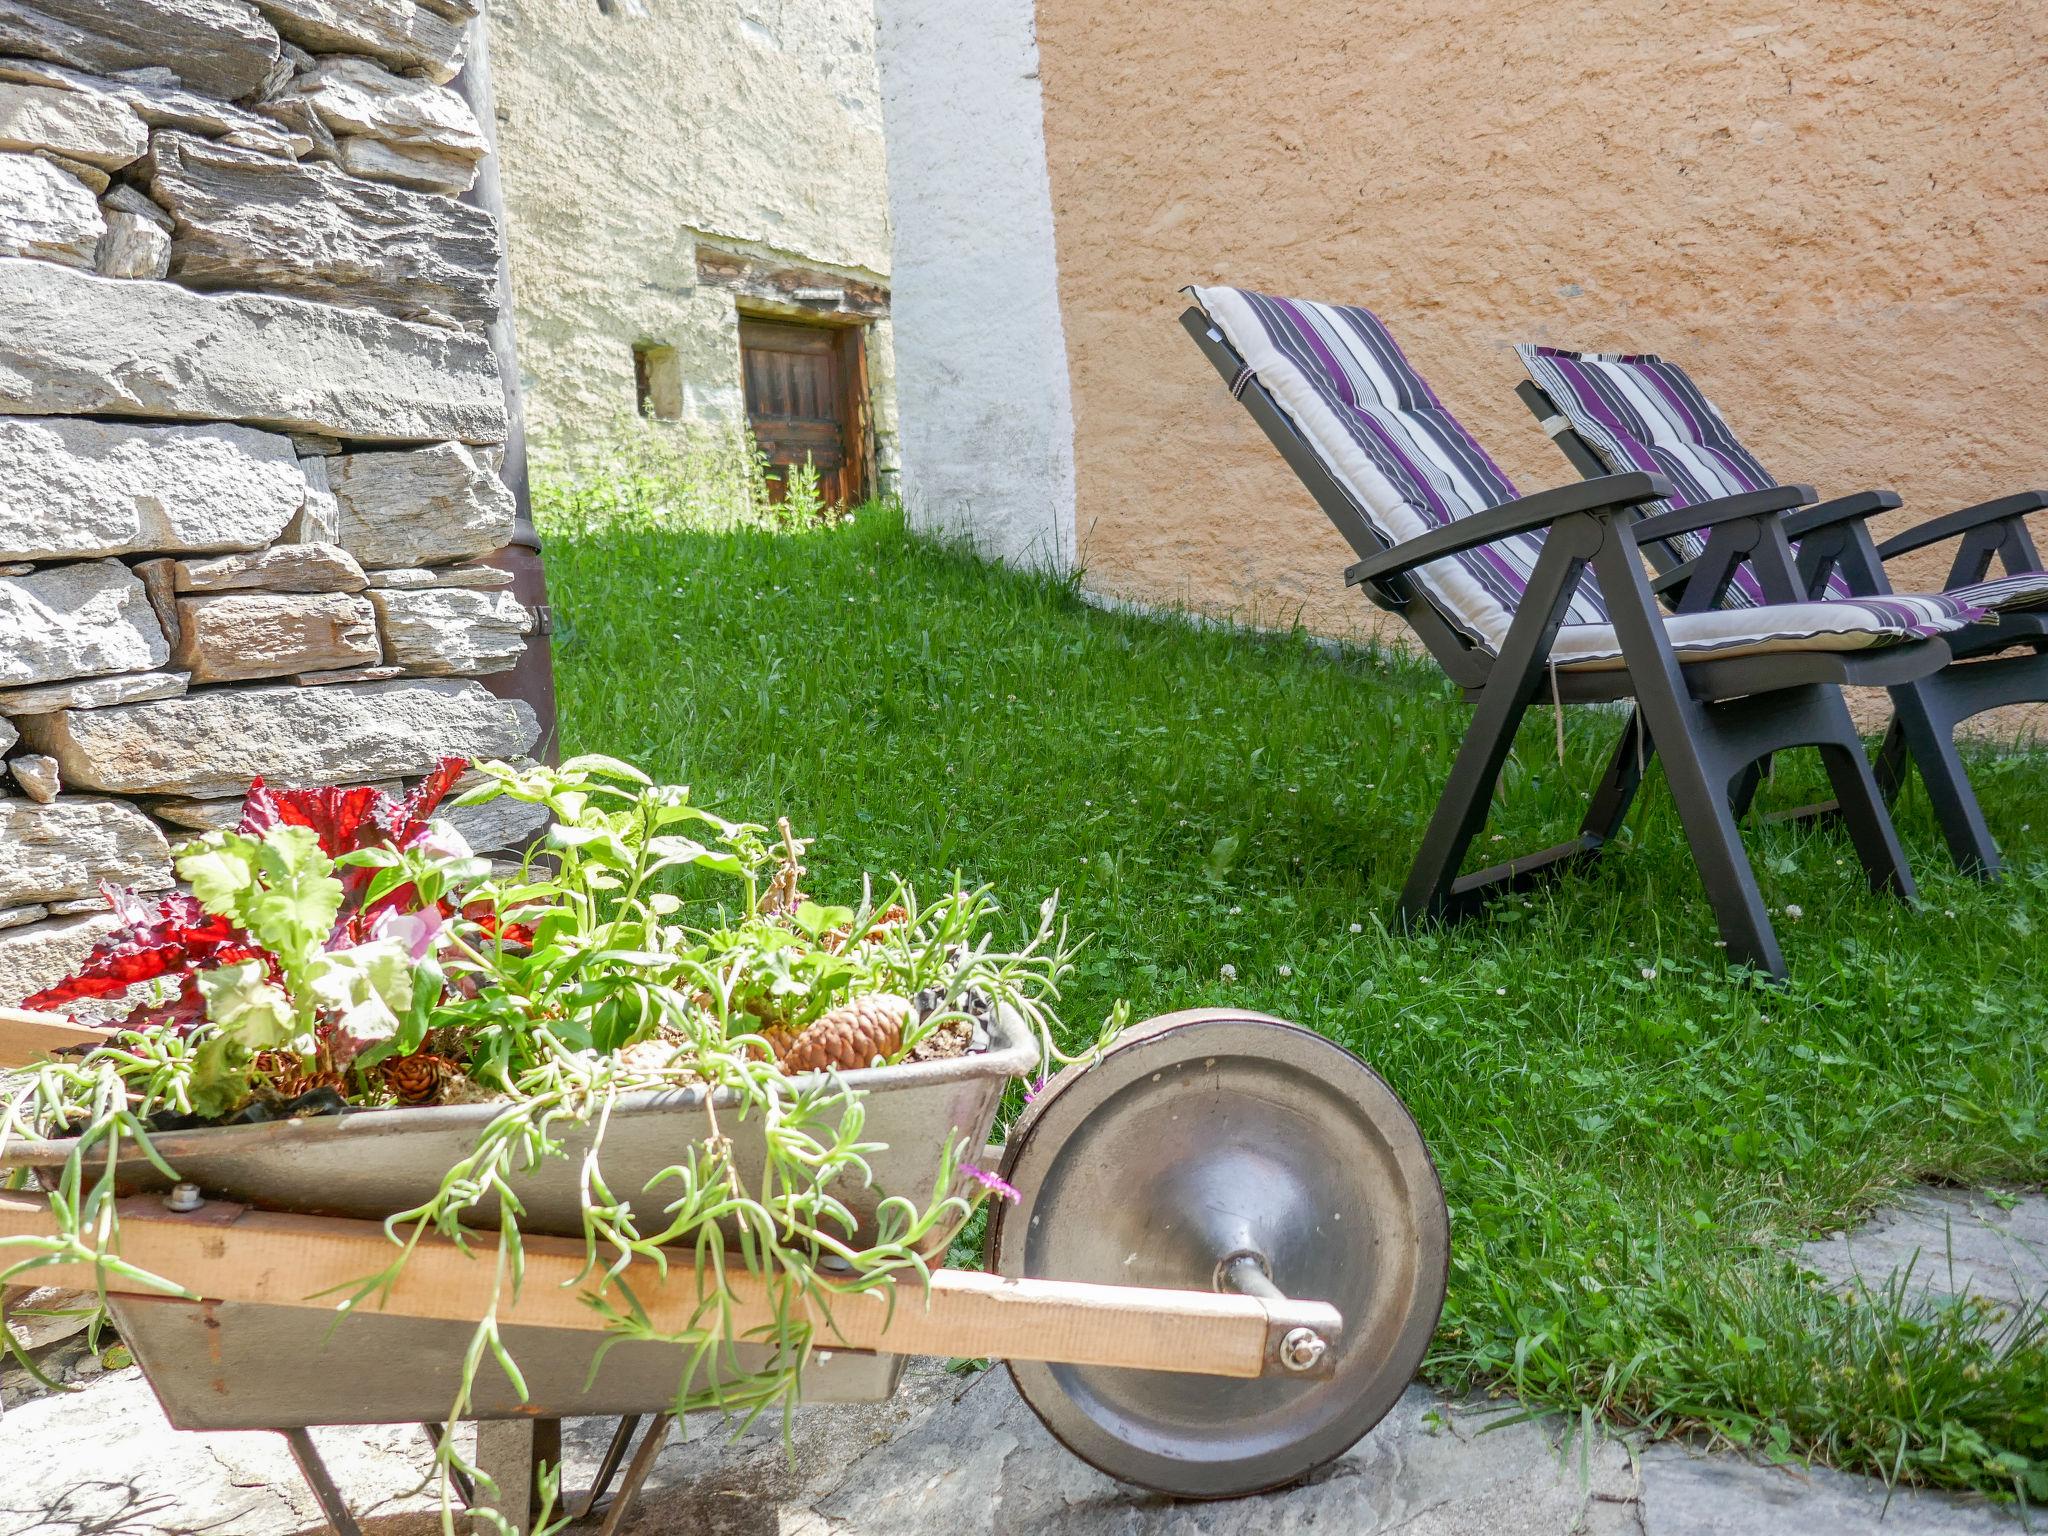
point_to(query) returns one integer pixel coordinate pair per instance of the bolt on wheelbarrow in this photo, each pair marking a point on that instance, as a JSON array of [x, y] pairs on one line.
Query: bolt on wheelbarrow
[[1224, 1264]]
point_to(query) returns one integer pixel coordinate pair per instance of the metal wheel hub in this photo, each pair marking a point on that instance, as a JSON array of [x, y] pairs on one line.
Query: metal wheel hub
[[1228, 1150]]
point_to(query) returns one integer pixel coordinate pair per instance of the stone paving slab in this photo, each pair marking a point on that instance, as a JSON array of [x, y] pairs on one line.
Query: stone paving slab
[[961, 1455], [1957, 1241]]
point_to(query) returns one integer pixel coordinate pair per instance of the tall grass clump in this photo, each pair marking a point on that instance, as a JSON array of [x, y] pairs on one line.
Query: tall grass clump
[[637, 473]]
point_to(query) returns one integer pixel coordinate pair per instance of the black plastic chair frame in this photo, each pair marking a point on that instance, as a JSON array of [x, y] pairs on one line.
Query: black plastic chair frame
[[1835, 536], [1709, 720]]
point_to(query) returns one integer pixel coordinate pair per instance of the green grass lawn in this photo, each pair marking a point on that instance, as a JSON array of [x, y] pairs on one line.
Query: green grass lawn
[[1630, 1136]]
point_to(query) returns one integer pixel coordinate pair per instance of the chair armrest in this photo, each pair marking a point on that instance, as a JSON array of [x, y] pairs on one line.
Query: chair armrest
[[1607, 494], [1674, 578], [1722, 509], [1955, 523], [1843, 509]]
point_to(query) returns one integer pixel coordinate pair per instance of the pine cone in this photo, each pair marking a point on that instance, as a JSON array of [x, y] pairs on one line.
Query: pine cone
[[416, 1079], [289, 1077], [851, 1035]]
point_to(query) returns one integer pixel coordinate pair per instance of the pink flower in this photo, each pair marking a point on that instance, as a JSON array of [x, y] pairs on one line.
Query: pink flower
[[418, 932], [995, 1184], [1034, 1089]]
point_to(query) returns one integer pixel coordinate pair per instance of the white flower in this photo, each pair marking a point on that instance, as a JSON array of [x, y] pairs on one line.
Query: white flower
[[1358, 927], [1286, 970], [1423, 979], [1500, 991], [1649, 973], [419, 934], [1235, 911], [1794, 911], [444, 842], [1229, 972]]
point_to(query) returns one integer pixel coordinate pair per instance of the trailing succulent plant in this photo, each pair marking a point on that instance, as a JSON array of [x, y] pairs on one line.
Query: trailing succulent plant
[[341, 950]]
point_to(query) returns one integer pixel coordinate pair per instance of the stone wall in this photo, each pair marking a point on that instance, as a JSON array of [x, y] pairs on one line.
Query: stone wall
[[649, 150], [249, 430], [1835, 217]]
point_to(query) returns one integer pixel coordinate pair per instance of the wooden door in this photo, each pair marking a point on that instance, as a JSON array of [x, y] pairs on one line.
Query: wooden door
[[802, 387]]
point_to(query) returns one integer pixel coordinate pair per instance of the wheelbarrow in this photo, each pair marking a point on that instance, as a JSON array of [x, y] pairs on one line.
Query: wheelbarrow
[[1224, 1265]]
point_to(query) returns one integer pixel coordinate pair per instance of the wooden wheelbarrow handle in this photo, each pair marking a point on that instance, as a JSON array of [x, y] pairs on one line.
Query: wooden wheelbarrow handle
[[27, 1038], [227, 1253]]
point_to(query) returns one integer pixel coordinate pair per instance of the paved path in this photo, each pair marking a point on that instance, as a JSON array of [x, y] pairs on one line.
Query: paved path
[[961, 1456]]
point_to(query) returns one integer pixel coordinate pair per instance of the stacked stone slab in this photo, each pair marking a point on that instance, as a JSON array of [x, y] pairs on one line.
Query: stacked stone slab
[[250, 427]]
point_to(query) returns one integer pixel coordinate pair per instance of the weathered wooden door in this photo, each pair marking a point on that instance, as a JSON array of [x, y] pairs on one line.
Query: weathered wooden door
[[802, 388]]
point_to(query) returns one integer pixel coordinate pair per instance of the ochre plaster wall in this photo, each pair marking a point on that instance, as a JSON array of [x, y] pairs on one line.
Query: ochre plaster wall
[[633, 132], [1835, 216]]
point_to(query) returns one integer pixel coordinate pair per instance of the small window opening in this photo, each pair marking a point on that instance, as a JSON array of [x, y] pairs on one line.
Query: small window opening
[[658, 382]]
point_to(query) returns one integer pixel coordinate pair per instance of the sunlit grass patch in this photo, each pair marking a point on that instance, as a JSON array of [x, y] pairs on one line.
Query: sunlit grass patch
[[1632, 1138]]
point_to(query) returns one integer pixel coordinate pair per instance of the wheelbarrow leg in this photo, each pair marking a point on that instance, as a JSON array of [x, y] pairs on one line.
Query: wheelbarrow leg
[[325, 1494], [636, 1474], [464, 1488], [607, 1469], [509, 1452]]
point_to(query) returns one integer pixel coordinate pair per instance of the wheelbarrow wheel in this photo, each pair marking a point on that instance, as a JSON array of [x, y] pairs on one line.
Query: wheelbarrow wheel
[[1203, 1138]]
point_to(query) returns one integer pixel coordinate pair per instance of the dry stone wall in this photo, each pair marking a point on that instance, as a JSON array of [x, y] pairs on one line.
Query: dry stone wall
[[250, 427]]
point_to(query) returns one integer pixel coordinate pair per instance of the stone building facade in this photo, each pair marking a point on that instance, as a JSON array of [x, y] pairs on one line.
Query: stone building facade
[[674, 169], [250, 426], [1837, 222]]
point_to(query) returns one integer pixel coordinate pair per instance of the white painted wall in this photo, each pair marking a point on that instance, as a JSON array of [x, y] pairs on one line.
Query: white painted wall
[[981, 360]]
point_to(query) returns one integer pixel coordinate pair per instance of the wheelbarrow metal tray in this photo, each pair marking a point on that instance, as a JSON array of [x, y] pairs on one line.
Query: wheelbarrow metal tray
[[370, 1164], [241, 1365]]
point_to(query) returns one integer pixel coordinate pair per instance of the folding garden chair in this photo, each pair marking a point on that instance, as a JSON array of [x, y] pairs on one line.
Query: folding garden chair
[[1637, 412], [1501, 589]]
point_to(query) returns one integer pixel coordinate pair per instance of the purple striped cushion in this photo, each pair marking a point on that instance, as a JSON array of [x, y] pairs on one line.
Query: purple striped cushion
[[2006, 594], [1637, 411], [1378, 427], [1834, 624]]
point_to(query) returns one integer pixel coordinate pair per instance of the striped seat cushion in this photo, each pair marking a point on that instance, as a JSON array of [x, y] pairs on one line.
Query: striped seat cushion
[[1837, 624], [1637, 411], [1379, 428], [2006, 594]]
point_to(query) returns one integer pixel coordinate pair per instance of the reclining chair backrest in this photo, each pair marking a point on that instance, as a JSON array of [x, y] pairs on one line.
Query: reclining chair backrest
[[1381, 432], [1636, 411]]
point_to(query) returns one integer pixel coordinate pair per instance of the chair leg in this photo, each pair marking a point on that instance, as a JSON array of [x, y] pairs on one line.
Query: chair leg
[[1747, 783], [1700, 780], [1928, 741], [1616, 791], [1461, 812], [1862, 810], [1892, 761], [1510, 688], [1709, 820]]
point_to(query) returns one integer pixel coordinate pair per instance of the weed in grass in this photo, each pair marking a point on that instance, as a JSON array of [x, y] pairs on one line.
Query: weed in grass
[[1631, 1137]]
